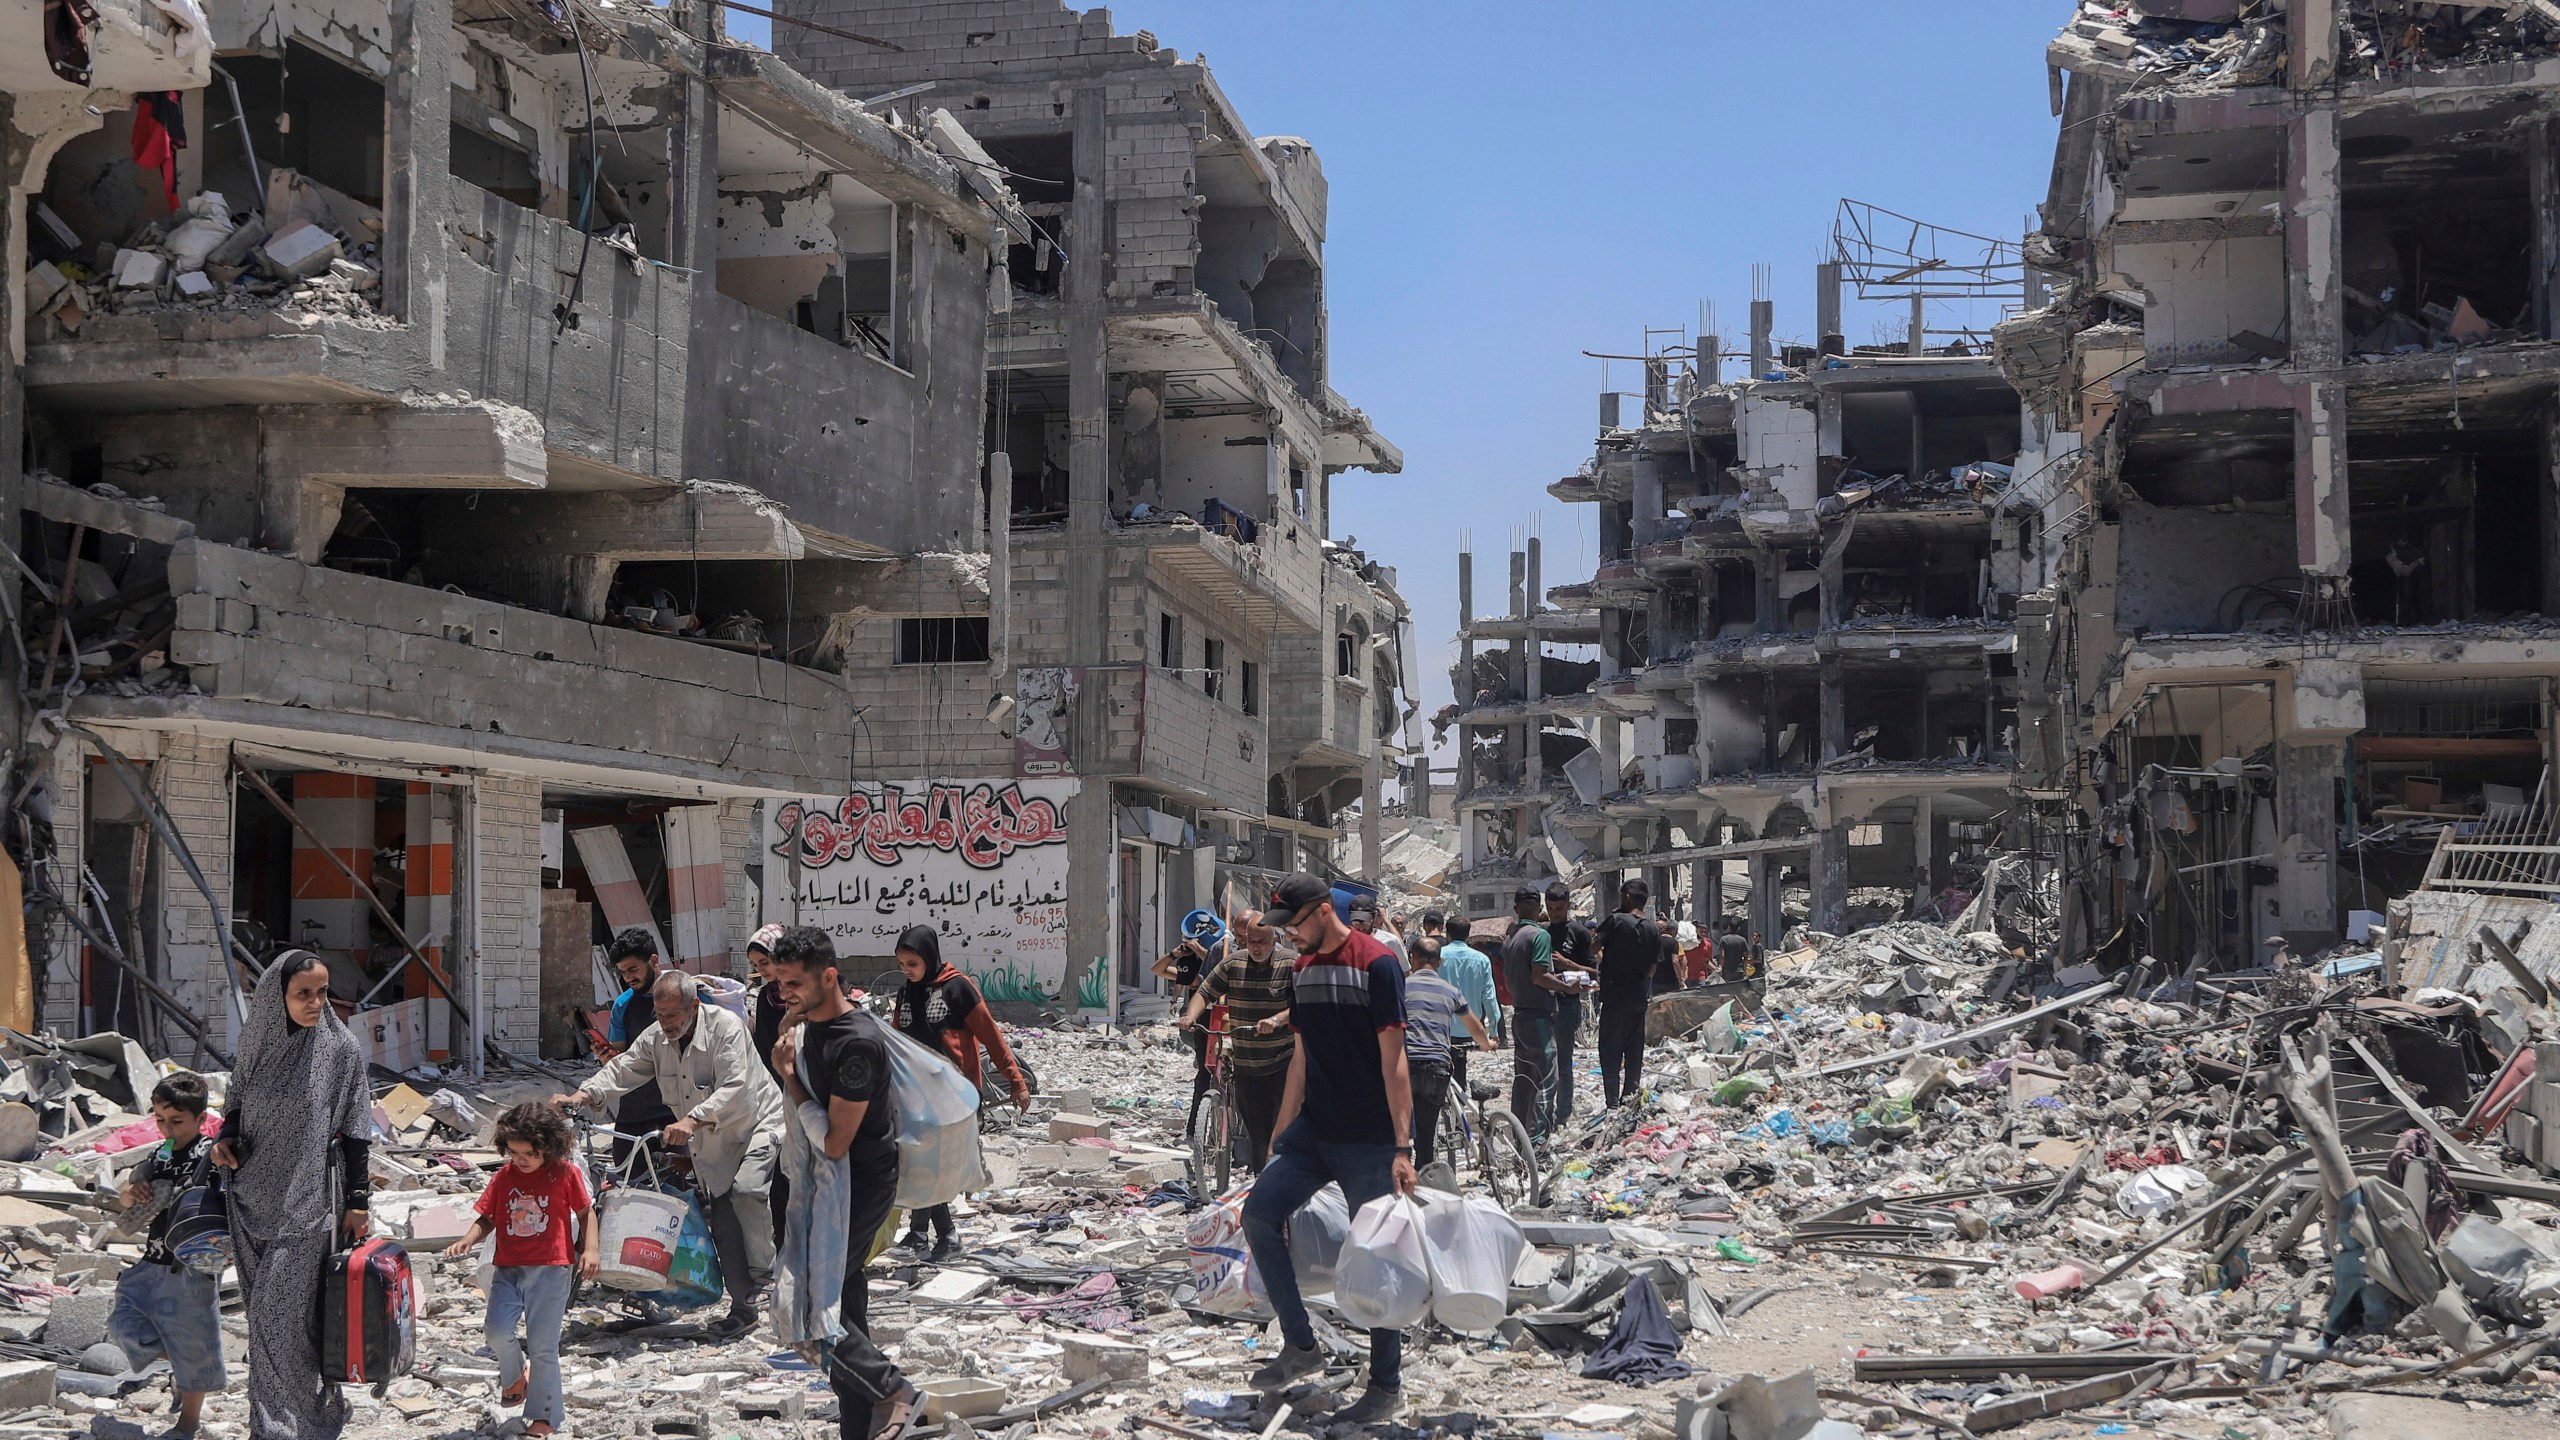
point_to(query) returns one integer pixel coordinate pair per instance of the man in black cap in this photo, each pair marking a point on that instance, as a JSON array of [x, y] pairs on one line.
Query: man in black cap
[[1528, 969], [1346, 1117]]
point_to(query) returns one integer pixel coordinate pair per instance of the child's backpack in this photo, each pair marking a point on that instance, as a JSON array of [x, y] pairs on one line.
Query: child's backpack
[[368, 1323], [199, 1233]]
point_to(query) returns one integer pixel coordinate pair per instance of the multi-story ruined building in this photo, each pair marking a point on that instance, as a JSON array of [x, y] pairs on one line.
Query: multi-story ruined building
[[455, 470], [1169, 623], [2300, 626], [1802, 618]]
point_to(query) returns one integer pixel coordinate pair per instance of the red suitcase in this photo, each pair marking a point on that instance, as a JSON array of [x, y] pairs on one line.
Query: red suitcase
[[368, 1327]]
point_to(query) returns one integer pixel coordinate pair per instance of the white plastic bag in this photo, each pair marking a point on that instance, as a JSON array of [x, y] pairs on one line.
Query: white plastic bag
[[1222, 1265], [1316, 1234], [2158, 1190], [935, 1122], [1383, 1281], [1473, 1248]]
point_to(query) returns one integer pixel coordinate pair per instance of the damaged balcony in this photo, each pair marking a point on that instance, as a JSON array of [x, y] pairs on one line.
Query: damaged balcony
[[231, 641]]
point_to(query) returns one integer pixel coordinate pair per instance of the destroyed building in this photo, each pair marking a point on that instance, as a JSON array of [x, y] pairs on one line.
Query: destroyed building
[[1210, 681], [448, 468], [1801, 614], [2295, 656]]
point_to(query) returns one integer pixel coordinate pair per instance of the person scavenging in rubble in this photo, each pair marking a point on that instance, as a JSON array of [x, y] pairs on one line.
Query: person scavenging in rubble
[[703, 1060], [1346, 1117], [1255, 989], [940, 1009], [635, 958], [834, 1057], [296, 1135], [1630, 948], [1203, 945], [1570, 941]]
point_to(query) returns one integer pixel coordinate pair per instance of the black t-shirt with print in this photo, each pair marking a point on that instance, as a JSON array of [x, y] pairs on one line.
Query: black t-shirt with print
[[848, 1058]]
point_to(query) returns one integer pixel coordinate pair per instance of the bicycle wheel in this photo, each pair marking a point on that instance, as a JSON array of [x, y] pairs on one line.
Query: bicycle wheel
[[995, 1098], [1454, 1143], [1510, 1161], [881, 995], [1210, 1161]]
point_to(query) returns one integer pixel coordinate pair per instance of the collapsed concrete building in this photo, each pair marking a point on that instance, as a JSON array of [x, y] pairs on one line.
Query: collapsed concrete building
[[2298, 652], [1802, 613], [1177, 639], [448, 462]]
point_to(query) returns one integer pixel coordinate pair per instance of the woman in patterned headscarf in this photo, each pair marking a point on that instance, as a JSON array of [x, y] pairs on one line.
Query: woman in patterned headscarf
[[296, 1135]]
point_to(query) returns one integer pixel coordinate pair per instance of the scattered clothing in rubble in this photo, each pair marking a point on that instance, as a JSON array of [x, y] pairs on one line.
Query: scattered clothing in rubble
[[1642, 1347]]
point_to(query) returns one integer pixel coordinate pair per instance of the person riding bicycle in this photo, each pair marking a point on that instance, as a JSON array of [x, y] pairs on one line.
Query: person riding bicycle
[[1204, 944], [1433, 1008], [940, 1008], [1254, 988]]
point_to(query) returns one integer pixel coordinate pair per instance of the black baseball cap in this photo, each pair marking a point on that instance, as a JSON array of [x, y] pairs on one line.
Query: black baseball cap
[[1364, 908], [1293, 897]]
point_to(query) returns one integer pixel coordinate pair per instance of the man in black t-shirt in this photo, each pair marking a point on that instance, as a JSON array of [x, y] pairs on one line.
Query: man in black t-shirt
[[1630, 948], [835, 1054], [1733, 955]]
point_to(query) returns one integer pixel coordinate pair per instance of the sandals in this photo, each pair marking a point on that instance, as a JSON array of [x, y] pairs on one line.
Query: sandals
[[891, 1417]]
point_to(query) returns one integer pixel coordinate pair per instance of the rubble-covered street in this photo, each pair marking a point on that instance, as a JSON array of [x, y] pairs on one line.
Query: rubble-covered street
[[1922, 1186]]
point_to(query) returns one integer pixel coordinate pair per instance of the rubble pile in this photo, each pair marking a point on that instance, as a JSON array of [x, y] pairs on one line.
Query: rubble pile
[[307, 248], [2184, 45], [1911, 1178]]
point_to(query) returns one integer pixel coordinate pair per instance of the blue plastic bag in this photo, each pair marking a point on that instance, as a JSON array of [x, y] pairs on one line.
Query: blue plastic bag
[[693, 1279]]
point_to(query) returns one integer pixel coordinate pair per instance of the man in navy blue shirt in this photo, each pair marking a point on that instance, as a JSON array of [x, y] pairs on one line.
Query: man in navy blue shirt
[[1346, 1116]]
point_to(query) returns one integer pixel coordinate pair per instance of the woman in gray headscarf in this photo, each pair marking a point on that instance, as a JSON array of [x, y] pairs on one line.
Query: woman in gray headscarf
[[296, 1133]]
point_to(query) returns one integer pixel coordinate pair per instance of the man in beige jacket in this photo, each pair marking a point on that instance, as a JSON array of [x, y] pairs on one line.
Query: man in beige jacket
[[728, 1119]]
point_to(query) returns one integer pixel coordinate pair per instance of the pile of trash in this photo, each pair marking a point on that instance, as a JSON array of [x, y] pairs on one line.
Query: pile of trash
[[307, 247]]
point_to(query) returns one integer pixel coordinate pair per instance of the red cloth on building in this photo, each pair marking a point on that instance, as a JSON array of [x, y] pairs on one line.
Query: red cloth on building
[[156, 148]]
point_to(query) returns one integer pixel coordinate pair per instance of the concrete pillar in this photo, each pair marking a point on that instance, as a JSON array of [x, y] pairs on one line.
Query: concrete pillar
[[2542, 180], [1533, 678], [1519, 584], [1826, 308], [1093, 867], [2315, 315], [1918, 342], [1706, 892], [2307, 847], [1372, 821], [1465, 690], [1768, 567], [1835, 710], [1768, 914], [1763, 322], [2311, 33], [1710, 361], [1923, 852], [418, 144], [1831, 879], [1703, 747], [1646, 512]]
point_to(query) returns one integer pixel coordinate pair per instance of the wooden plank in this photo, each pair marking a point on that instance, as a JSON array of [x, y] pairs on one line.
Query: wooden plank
[[17, 976]]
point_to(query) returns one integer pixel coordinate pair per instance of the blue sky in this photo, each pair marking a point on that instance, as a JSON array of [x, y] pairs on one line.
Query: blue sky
[[1515, 183]]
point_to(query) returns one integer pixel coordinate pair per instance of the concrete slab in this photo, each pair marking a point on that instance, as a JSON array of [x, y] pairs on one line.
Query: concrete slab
[[2414, 1417]]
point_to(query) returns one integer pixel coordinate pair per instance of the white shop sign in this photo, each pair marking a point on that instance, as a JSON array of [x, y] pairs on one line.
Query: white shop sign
[[982, 861]]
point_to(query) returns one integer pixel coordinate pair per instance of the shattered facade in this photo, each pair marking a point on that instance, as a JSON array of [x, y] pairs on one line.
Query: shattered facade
[[467, 437], [2297, 644], [1802, 613], [1175, 628]]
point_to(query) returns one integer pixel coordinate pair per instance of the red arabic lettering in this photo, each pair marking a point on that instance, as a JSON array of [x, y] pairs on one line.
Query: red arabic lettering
[[981, 823]]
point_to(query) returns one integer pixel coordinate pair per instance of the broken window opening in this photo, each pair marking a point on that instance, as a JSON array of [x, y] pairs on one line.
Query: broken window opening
[[1169, 641], [2438, 234], [635, 187], [1213, 667], [877, 263], [942, 640], [1041, 169], [1249, 687], [2452, 535], [501, 169], [306, 112]]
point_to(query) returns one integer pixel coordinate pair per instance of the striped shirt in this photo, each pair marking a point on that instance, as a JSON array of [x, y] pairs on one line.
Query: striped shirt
[[1252, 992], [1431, 1009], [1342, 999]]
